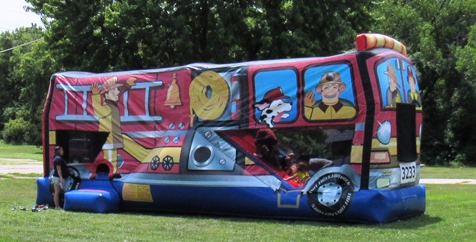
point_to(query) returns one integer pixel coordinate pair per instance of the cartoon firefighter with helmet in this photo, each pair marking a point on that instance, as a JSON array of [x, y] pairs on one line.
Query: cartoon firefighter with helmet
[[331, 106], [108, 114]]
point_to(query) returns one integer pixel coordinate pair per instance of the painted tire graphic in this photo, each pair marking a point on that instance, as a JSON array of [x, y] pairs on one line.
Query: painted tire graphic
[[154, 163], [331, 194], [72, 182], [168, 163]]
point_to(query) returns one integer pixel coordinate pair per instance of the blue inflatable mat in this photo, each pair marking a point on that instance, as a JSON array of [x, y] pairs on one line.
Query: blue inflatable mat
[[91, 200]]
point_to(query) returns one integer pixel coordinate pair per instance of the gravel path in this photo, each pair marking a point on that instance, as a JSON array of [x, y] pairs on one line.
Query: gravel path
[[23, 169], [448, 181], [23, 166]]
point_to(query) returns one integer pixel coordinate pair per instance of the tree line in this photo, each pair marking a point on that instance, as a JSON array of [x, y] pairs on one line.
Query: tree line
[[111, 35]]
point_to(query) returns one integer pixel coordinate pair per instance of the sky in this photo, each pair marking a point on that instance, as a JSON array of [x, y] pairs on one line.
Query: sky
[[13, 16]]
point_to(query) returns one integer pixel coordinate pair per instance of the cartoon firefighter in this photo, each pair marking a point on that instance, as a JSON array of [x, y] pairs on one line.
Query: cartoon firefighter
[[331, 106], [393, 94], [413, 96], [108, 113]]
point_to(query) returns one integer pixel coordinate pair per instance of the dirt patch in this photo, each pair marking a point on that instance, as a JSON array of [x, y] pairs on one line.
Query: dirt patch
[[23, 169], [16, 161], [448, 181], [22, 166]]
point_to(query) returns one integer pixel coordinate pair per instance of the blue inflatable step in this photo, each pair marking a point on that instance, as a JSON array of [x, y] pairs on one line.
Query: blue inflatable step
[[44, 195], [91, 200]]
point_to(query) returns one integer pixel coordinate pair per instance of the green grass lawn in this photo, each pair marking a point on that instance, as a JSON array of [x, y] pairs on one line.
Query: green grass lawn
[[450, 214], [448, 172], [20, 151]]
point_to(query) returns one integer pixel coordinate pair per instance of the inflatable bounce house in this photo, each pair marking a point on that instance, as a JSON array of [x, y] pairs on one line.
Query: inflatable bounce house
[[328, 138]]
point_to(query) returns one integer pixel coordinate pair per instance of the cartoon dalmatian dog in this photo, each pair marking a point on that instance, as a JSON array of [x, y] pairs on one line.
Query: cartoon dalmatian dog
[[273, 107]]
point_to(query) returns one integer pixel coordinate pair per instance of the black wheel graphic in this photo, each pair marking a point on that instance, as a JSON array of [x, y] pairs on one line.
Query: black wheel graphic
[[154, 163], [73, 180], [168, 163], [331, 194]]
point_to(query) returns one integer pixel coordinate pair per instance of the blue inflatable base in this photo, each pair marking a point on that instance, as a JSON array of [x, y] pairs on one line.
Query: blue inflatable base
[[366, 206], [43, 192], [98, 196], [381, 206], [89, 200]]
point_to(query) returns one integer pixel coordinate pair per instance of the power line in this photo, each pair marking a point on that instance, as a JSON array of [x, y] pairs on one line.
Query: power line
[[18, 46]]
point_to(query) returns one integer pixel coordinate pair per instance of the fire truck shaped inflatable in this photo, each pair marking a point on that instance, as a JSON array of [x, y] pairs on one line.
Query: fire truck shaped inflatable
[[331, 138]]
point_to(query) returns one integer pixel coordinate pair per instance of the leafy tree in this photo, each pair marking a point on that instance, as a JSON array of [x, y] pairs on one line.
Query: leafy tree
[[73, 32], [118, 35], [7, 88], [16, 105], [33, 71], [436, 46], [312, 28], [462, 120]]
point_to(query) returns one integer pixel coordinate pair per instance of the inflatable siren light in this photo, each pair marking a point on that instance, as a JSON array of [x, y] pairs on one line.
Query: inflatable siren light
[[371, 41]]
